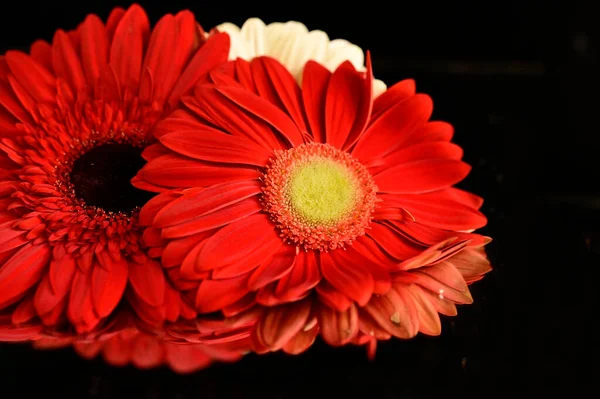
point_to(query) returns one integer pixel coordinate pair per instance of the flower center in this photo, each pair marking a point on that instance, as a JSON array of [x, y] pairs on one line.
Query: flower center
[[322, 191], [101, 177], [319, 197]]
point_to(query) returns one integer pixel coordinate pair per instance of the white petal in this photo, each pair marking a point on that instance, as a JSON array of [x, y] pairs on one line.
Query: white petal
[[293, 45], [238, 46], [286, 44], [378, 88], [253, 32], [341, 50]]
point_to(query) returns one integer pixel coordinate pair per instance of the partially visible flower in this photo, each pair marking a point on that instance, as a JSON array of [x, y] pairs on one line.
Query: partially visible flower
[[292, 44], [74, 117], [306, 206], [144, 351]]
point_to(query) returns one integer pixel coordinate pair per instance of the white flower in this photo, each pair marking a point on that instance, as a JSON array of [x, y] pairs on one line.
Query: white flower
[[293, 45]]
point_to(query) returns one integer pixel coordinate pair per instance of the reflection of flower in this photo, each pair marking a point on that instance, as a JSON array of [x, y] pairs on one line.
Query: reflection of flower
[[315, 208], [293, 45], [74, 116], [131, 347]]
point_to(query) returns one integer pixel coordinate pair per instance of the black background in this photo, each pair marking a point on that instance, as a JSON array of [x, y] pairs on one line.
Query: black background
[[519, 81]]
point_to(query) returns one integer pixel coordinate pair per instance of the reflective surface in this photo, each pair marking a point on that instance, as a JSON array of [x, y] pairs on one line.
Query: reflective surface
[[517, 82]]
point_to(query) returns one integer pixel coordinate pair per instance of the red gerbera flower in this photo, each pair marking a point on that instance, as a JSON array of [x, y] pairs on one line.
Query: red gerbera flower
[[74, 117], [144, 351], [340, 207]]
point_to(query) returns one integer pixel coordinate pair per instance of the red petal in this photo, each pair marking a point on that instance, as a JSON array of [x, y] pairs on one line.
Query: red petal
[[332, 297], [445, 280], [396, 94], [66, 62], [430, 132], [338, 328], [210, 144], [156, 204], [215, 108], [273, 269], [436, 210], [315, 80], [174, 171], [94, 48], [471, 263], [276, 84], [214, 295], [113, 20], [393, 128], [279, 325], [211, 54], [81, 311], [148, 281], [171, 39], [199, 202], [347, 276], [12, 238], [430, 235], [301, 341], [127, 49], [41, 52], [108, 286], [394, 244], [343, 104], [13, 105], [38, 82], [176, 250], [382, 281], [464, 197], [24, 312], [266, 111], [24, 269], [429, 320], [395, 312], [243, 74], [61, 272], [55, 285], [179, 120], [247, 241], [304, 276], [421, 176], [152, 315], [419, 152]]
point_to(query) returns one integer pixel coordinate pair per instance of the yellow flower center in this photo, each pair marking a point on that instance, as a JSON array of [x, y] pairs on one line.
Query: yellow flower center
[[320, 198], [322, 191]]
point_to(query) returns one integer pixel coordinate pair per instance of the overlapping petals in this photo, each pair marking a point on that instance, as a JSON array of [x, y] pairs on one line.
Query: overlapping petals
[[209, 228], [292, 44], [64, 264]]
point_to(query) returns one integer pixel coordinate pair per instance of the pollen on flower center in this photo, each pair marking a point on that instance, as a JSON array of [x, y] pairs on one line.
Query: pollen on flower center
[[319, 197], [322, 191], [101, 176]]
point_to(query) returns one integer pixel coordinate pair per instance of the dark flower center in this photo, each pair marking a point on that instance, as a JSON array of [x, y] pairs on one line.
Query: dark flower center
[[102, 177]]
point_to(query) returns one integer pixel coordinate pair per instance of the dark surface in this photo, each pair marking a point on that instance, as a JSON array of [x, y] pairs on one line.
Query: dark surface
[[519, 82]]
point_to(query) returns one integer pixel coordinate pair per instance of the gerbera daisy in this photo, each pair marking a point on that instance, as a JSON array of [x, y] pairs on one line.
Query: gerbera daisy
[[75, 115], [144, 351], [293, 200], [292, 44]]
